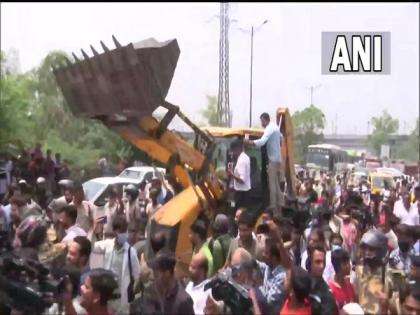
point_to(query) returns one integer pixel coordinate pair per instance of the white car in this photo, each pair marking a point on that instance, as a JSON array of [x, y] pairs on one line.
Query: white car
[[139, 173], [97, 189]]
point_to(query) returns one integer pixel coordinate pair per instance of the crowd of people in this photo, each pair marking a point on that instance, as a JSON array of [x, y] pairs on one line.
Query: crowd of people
[[335, 249], [33, 167]]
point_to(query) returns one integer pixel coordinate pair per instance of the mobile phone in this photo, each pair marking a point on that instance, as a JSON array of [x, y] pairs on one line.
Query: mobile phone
[[103, 219]]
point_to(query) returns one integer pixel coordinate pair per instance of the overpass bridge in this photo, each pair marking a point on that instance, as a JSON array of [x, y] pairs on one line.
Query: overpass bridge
[[359, 142]]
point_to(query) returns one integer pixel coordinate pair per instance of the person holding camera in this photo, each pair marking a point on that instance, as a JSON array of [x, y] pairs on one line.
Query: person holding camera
[[243, 268], [214, 307]]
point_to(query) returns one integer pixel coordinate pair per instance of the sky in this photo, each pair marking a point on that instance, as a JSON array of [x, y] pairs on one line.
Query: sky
[[287, 53]]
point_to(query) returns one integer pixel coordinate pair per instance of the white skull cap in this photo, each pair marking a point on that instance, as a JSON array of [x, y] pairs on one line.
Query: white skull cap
[[353, 309], [40, 180]]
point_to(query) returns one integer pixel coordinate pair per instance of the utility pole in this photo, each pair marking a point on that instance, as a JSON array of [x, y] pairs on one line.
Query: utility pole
[[312, 88], [252, 31], [336, 120], [223, 108], [250, 80]]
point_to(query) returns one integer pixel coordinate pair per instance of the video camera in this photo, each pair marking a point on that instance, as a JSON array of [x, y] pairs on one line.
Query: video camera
[[231, 293], [27, 285]]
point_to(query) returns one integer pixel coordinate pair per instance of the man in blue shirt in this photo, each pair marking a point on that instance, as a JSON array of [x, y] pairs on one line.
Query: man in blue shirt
[[273, 139]]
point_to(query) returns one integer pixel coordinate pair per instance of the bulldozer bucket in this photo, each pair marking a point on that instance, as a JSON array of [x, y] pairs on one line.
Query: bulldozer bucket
[[126, 82]]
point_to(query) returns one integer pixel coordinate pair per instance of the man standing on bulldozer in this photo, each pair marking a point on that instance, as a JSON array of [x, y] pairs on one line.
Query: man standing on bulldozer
[[272, 138]]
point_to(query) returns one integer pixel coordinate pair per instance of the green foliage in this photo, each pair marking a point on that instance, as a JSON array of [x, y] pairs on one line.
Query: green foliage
[[409, 150], [383, 127], [308, 125], [210, 113], [15, 100], [33, 109]]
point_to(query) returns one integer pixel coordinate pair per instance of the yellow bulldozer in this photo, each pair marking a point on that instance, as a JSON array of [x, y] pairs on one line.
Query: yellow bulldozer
[[123, 87]]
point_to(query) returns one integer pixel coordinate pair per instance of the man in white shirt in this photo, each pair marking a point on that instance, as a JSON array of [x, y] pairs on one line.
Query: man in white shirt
[[195, 288], [67, 218], [272, 138], [86, 211], [405, 211], [117, 256], [241, 174]]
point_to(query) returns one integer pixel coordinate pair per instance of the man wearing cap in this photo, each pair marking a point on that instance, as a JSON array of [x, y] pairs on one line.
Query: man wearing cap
[[352, 309], [42, 197]]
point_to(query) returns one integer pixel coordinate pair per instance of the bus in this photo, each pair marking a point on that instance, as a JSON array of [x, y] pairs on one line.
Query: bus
[[326, 157]]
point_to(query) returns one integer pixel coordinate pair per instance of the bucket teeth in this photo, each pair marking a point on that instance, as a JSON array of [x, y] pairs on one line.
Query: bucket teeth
[[117, 44], [68, 62], [94, 51], [104, 47], [98, 81], [75, 57], [85, 55]]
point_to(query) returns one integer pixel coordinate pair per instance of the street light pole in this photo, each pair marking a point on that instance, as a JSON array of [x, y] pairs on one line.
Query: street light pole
[[250, 82], [252, 60]]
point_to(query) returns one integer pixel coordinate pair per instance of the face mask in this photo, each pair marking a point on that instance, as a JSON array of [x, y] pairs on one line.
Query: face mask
[[122, 238], [235, 271], [404, 246]]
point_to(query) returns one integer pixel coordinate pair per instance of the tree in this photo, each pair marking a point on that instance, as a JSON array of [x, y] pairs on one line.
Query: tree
[[15, 100], [308, 125], [409, 150], [33, 109], [383, 127], [210, 113]]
